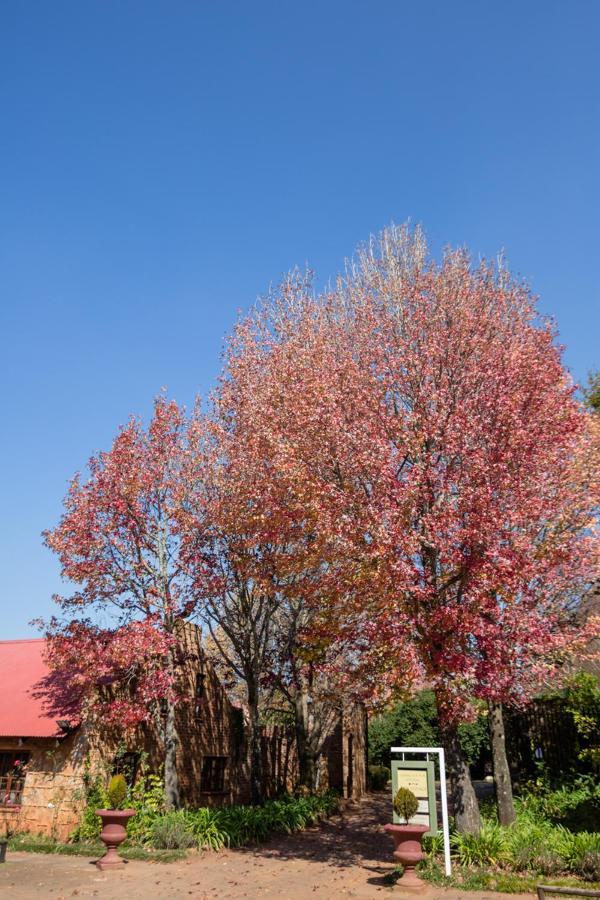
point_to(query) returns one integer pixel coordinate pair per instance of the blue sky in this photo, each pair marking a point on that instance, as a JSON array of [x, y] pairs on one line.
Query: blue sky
[[162, 162]]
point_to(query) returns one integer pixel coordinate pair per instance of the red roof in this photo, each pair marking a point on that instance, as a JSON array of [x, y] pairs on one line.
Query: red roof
[[24, 711]]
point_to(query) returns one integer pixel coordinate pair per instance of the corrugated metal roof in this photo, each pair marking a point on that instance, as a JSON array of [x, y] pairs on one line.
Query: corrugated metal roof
[[25, 700]]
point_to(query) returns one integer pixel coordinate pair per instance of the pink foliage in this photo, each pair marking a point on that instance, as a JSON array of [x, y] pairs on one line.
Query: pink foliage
[[119, 542], [404, 453], [413, 441], [118, 675]]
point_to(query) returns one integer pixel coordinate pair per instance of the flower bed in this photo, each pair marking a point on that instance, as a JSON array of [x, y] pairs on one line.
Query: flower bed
[[154, 829]]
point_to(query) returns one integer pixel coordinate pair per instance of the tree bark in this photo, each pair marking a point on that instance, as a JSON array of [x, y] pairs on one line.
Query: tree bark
[[171, 778], [306, 755], [502, 780], [256, 761], [463, 801]]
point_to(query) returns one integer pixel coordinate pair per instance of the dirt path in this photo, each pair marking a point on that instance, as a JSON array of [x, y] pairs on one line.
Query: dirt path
[[347, 857]]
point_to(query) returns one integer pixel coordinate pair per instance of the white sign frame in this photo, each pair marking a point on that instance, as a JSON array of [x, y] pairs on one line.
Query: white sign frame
[[439, 751]]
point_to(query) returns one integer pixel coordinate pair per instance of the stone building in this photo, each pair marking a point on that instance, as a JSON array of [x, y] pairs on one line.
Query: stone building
[[45, 757]]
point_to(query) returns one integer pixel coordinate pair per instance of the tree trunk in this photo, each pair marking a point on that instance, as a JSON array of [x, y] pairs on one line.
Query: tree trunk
[[463, 801], [504, 794], [171, 779], [306, 755], [256, 761]]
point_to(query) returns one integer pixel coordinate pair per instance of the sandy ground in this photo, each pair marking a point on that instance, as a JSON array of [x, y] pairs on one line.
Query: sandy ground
[[347, 857]]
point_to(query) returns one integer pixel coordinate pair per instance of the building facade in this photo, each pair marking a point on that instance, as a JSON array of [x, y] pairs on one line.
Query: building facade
[[46, 763]]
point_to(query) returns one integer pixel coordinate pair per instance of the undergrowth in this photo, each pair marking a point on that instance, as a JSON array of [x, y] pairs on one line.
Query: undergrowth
[[539, 844]]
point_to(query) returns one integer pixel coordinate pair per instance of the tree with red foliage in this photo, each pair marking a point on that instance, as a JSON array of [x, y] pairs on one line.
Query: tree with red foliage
[[413, 435], [256, 619], [119, 542]]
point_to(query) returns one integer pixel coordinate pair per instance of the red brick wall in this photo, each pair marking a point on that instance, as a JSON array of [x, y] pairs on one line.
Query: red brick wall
[[344, 763]]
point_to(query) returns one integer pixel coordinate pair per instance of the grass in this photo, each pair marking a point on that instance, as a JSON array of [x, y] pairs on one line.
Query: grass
[[487, 879], [31, 843]]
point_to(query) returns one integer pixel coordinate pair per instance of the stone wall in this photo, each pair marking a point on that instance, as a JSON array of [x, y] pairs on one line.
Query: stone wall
[[53, 795], [342, 766]]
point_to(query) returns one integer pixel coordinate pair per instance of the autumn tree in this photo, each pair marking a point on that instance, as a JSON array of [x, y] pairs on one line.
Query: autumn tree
[[315, 678], [417, 432], [231, 571], [311, 695], [119, 544], [255, 615], [239, 615]]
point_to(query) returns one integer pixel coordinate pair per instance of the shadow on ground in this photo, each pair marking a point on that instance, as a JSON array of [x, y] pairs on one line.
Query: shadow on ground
[[351, 839]]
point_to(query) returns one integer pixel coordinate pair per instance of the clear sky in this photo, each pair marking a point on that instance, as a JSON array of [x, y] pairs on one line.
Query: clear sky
[[162, 162]]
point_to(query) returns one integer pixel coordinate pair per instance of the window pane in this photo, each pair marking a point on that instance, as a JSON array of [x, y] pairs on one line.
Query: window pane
[[212, 779], [8, 760]]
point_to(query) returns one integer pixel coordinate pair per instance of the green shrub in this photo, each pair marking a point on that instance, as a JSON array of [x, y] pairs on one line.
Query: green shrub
[[575, 804], [90, 825], [116, 792], [252, 824], [147, 797], [534, 846], [213, 829], [206, 829], [379, 777], [588, 866], [414, 723], [513, 858], [580, 849], [433, 844], [405, 804], [488, 848], [173, 832], [242, 825], [583, 702]]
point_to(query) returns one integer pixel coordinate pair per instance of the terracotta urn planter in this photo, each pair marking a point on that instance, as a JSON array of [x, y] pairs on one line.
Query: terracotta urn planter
[[114, 832], [407, 850]]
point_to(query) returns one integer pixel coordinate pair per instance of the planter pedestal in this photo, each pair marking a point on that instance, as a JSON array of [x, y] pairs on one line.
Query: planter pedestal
[[114, 832], [407, 850]]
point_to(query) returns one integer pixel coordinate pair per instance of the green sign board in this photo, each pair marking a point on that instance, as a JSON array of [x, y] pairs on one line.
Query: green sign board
[[418, 777]]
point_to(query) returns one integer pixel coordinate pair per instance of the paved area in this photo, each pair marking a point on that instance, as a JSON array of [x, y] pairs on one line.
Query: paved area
[[347, 857]]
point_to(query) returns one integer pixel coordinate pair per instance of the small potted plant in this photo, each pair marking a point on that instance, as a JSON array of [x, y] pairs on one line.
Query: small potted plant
[[114, 823], [407, 838]]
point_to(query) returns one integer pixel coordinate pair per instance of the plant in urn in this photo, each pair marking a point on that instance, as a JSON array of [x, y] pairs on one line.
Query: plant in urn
[[114, 823], [407, 838]]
